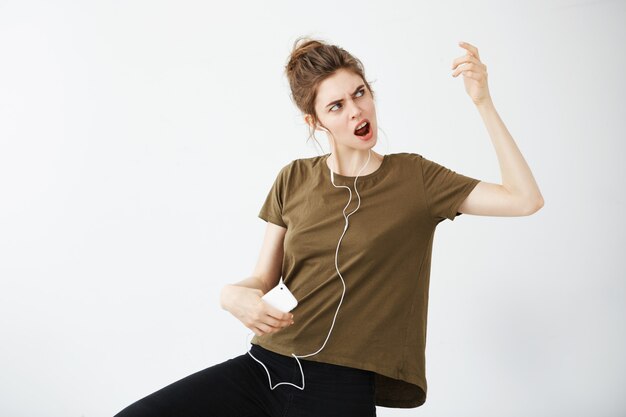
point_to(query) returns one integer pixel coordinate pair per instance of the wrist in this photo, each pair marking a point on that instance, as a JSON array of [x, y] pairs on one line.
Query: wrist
[[226, 297], [484, 104]]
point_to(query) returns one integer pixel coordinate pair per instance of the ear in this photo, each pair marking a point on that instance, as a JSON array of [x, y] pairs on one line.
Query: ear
[[309, 121]]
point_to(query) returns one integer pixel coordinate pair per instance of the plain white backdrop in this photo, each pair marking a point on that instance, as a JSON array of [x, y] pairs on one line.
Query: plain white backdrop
[[139, 139]]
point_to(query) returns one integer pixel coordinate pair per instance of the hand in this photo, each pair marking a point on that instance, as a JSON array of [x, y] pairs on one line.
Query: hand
[[257, 315], [474, 74]]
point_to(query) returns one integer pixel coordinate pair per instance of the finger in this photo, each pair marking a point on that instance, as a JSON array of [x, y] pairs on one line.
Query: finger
[[465, 59], [265, 328], [268, 311], [471, 74], [276, 324], [464, 69], [471, 48], [286, 322], [277, 327], [279, 315], [461, 67]]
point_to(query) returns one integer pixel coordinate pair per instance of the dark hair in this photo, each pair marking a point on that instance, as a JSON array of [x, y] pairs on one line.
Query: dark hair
[[312, 61]]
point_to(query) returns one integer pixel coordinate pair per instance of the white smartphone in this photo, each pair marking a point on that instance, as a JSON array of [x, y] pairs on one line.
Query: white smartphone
[[281, 298]]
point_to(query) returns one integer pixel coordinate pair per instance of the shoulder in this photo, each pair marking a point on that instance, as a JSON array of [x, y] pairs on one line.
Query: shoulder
[[407, 162], [298, 169], [310, 162], [419, 161], [405, 156], [305, 166]]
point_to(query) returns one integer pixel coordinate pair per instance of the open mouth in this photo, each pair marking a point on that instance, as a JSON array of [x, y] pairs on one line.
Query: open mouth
[[364, 130]]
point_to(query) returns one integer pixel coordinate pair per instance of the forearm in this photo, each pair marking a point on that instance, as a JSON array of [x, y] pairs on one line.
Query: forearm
[[228, 291], [516, 175]]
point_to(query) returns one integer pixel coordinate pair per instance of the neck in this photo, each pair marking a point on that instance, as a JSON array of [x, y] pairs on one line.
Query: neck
[[353, 163]]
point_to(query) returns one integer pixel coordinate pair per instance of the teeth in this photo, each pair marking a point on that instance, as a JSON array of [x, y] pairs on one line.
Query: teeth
[[361, 125]]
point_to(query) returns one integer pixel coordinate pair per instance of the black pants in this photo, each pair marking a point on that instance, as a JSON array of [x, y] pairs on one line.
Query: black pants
[[239, 387]]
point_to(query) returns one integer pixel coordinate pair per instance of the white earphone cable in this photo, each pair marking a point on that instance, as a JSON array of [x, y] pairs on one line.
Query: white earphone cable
[[332, 179]]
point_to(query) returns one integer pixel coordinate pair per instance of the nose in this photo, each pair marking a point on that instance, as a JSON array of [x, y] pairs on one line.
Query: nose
[[355, 110]]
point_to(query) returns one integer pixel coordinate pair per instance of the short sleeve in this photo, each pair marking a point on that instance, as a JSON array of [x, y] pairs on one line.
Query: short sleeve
[[272, 209], [445, 189]]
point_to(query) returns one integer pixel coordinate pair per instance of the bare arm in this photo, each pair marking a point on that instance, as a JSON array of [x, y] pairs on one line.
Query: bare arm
[[517, 177], [243, 299], [518, 195], [228, 292]]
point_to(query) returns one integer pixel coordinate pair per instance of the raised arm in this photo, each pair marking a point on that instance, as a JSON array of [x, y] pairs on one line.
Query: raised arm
[[518, 195]]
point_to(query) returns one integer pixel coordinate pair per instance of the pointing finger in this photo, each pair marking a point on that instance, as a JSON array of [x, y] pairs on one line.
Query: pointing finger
[[470, 48]]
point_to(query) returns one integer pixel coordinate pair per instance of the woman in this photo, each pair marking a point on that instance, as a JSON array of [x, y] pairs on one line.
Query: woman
[[361, 310]]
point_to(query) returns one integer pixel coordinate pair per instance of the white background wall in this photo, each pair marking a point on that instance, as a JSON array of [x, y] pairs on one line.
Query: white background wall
[[138, 140]]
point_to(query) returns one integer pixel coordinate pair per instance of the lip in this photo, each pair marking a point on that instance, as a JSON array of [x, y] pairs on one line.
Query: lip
[[367, 137], [360, 122]]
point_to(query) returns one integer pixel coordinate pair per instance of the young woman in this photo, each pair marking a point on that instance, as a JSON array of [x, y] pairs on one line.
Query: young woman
[[361, 282]]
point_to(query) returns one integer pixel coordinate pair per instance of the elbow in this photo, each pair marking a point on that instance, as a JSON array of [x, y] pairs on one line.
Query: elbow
[[535, 206], [539, 203], [223, 298]]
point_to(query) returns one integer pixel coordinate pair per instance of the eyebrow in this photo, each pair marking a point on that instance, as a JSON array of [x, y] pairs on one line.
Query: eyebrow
[[340, 100]]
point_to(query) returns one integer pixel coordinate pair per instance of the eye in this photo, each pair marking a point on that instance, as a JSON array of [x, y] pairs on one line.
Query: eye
[[331, 109], [362, 90]]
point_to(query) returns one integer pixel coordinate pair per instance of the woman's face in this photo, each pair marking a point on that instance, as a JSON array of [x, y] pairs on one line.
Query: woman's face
[[342, 117]]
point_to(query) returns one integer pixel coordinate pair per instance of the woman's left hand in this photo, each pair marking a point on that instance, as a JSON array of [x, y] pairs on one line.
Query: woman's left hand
[[474, 74]]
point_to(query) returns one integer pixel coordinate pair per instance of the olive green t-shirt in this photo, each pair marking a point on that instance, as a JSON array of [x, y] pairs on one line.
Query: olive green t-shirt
[[384, 259]]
